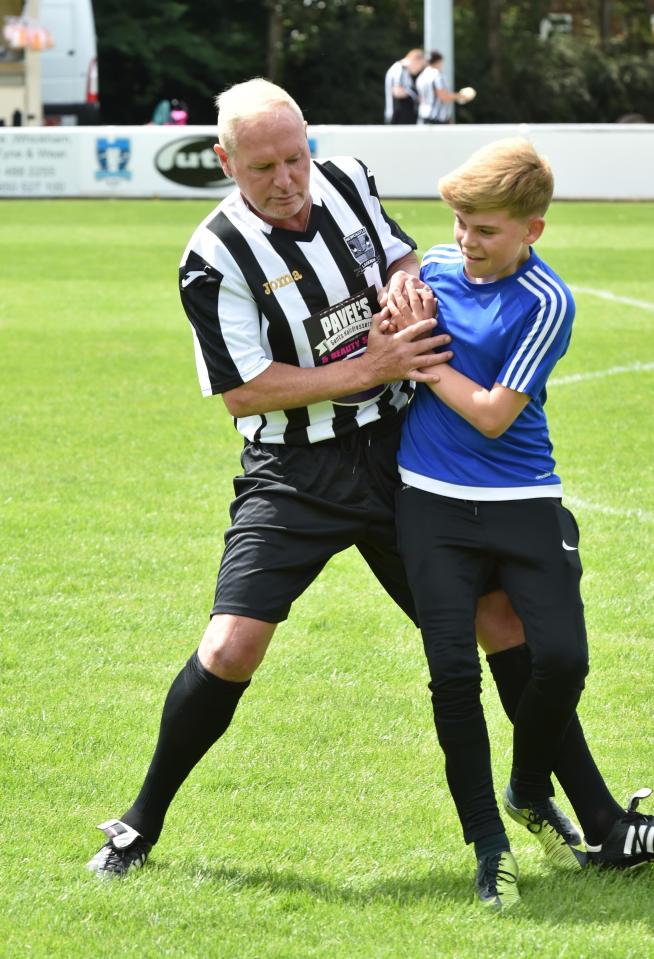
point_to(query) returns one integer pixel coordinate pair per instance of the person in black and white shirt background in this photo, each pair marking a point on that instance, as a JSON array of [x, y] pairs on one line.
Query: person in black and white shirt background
[[435, 100], [400, 90]]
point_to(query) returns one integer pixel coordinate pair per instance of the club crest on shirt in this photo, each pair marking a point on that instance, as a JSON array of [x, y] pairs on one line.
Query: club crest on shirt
[[361, 247]]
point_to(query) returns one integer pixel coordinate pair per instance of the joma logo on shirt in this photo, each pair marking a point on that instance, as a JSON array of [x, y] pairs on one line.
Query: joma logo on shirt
[[270, 285]]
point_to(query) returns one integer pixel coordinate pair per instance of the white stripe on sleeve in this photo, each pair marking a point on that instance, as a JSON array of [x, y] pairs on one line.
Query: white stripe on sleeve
[[201, 366], [553, 308], [443, 254]]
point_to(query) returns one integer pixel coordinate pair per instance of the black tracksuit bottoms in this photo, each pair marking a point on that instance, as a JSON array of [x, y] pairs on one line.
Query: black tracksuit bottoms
[[451, 547]]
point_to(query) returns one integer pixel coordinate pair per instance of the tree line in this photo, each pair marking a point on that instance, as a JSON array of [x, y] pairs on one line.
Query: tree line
[[595, 65]]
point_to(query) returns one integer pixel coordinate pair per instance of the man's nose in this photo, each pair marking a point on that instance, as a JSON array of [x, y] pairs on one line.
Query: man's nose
[[282, 177]]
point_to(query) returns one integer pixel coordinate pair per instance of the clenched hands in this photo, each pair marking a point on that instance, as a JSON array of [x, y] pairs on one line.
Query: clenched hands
[[401, 342]]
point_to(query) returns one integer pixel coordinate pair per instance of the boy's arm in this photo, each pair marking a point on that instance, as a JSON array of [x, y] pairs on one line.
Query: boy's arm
[[489, 411]]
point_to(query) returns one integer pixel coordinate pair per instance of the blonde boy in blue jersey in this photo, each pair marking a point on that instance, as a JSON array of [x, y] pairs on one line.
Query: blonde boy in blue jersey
[[480, 500]]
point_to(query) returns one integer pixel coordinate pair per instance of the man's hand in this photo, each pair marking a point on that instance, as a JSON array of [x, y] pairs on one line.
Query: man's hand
[[404, 355], [392, 354]]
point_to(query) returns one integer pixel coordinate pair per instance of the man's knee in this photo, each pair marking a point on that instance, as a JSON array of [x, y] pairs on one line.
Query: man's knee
[[497, 624], [234, 646]]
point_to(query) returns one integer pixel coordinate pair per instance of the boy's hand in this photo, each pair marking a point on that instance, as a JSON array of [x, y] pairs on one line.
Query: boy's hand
[[411, 304], [399, 285]]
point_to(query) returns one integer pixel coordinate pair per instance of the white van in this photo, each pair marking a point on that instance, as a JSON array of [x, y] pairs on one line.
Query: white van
[[69, 71]]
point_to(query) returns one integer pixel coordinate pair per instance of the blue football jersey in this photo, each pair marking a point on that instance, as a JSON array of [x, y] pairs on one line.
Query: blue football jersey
[[510, 331]]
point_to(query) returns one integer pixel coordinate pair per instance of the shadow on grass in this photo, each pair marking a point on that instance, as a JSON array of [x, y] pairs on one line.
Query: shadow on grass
[[552, 899]]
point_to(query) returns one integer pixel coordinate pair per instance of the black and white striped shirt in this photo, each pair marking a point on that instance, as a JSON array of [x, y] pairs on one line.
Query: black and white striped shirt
[[255, 294], [431, 109], [398, 75]]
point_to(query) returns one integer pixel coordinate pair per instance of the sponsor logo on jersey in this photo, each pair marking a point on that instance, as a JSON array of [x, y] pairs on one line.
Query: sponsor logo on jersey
[[271, 285], [345, 325], [191, 161], [341, 332], [361, 247]]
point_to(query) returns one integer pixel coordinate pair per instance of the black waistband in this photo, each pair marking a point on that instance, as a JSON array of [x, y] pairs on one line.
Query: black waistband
[[388, 425], [382, 427]]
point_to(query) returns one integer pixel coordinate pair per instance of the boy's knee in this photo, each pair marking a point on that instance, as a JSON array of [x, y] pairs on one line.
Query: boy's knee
[[562, 669], [456, 700]]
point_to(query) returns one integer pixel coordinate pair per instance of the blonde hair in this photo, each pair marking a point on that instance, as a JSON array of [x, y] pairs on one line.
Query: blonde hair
[[505, 175], [245, 100]]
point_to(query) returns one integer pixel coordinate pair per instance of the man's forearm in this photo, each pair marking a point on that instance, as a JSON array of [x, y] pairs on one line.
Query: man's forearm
[[409, 263], [285, 387], [386, 359]]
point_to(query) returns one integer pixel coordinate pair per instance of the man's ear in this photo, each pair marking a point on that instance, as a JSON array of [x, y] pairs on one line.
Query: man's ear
[[224, 159], [535, 228]]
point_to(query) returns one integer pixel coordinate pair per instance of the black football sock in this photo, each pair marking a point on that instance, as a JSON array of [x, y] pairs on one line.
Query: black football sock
[[197, 711], [575, 767], [539, 728], [491, 845]]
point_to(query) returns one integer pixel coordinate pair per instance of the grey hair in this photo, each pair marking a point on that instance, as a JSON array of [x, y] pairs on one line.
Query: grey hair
[[248, 99]]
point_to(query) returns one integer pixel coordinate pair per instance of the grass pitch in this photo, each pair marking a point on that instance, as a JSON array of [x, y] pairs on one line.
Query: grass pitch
[[321, 825]]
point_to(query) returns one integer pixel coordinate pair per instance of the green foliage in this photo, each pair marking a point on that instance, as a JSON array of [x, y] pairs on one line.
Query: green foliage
[[637, 78], [174, 49], [338, 55], [332, 56], [567, 78]]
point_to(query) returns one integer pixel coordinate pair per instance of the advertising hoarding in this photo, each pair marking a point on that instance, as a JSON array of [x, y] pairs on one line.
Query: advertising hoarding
[[175, 161]]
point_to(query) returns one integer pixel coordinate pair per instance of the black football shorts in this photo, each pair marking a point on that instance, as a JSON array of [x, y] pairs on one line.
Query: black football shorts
[[295, 507]]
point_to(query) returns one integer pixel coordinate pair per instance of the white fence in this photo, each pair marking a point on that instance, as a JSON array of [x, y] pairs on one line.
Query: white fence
[[606, 161]]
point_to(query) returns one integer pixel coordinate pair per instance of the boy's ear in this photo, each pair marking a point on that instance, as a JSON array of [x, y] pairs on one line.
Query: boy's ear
[[535, 227]]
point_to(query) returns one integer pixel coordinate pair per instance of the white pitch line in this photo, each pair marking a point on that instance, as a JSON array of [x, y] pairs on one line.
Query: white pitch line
[[639, 514], [600, 374], [613, 370], [607, 295]]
